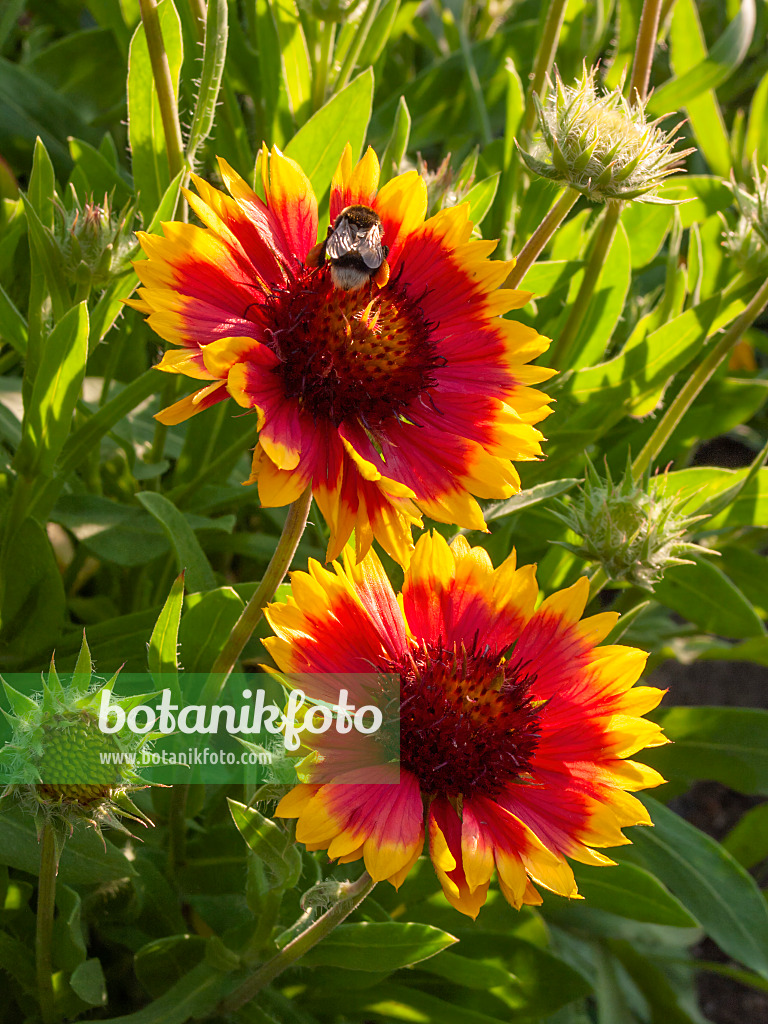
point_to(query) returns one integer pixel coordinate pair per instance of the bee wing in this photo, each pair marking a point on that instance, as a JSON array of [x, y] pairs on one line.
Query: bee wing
[[369, 246], [348, 238], [342, 241]]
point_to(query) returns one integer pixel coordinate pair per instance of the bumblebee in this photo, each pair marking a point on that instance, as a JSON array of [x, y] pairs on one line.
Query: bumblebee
[[354, 249]]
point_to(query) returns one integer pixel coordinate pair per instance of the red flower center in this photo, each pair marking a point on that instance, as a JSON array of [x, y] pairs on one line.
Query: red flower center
[[468, 723], [364, 354]]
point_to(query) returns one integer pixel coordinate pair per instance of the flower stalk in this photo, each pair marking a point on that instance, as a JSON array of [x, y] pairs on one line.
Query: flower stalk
[[703, 372], [646, 44], [561, 347], [161, 73], [357, 44], [545, 55], [46, 903], [532, 248], [349, 900], [295, 522]]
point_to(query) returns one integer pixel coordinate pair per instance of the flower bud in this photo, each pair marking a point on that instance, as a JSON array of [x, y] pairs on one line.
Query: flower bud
[[627, 528], [54, 760], [748, 242], [93, 243], [599, 144]]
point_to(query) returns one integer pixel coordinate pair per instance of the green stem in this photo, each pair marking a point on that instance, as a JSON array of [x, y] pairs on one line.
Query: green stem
[[357, 45], [161, 73], [250, 616], [528, 254], [545, 55], [677, 409], [46, 904], [351, 899], [323, 64], [200, 14], [646, 44], [561, 349], [177, 828], [486, 132]]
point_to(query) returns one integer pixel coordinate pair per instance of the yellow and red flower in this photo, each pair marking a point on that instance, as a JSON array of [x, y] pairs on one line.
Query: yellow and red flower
[[389, 402], [515, 727]]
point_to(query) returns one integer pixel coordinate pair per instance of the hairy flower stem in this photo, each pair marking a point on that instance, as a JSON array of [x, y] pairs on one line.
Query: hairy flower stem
[[528, 254], [161, 73], [646, 44], [545, 55], [706, 368], [250, 616], [357, 45], [323, 926], [46, 903], [561, 349]]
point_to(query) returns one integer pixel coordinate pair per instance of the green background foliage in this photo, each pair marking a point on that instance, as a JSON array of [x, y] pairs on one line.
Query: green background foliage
[[102, 508]]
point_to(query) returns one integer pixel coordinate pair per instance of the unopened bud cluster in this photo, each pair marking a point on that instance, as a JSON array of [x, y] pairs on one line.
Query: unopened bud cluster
[[748, 242], [601, 145], [92, 241], [628, 529]]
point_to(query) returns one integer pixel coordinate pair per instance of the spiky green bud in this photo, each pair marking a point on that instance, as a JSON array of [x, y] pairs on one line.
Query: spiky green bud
[[53, 763], [628, 528], [748, 242], [93, 242], [599, 144]]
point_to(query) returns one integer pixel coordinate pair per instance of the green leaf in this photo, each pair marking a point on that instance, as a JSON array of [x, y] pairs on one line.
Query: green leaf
[[95, 175], [723, 744], [48, 419], [723, 59], [84, 862], [647, 226], [12, 323], [631, 892], [164, 961], [162, 656], [149, 159], [81, 442], [33, 608], [194, 997], [89, 983], [214, 55], [207, 619], [704, 595], [756, 141], [385, 946], [531, 496], [396, 147], [297, 73], [318, 145], [46, 261], [606, 305], [18, 960], [747, 842], [190, 556], [461, 970], [402, 1003], [42, 185], [712, 886], [547, 275], [481, 196], [270, 844]]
